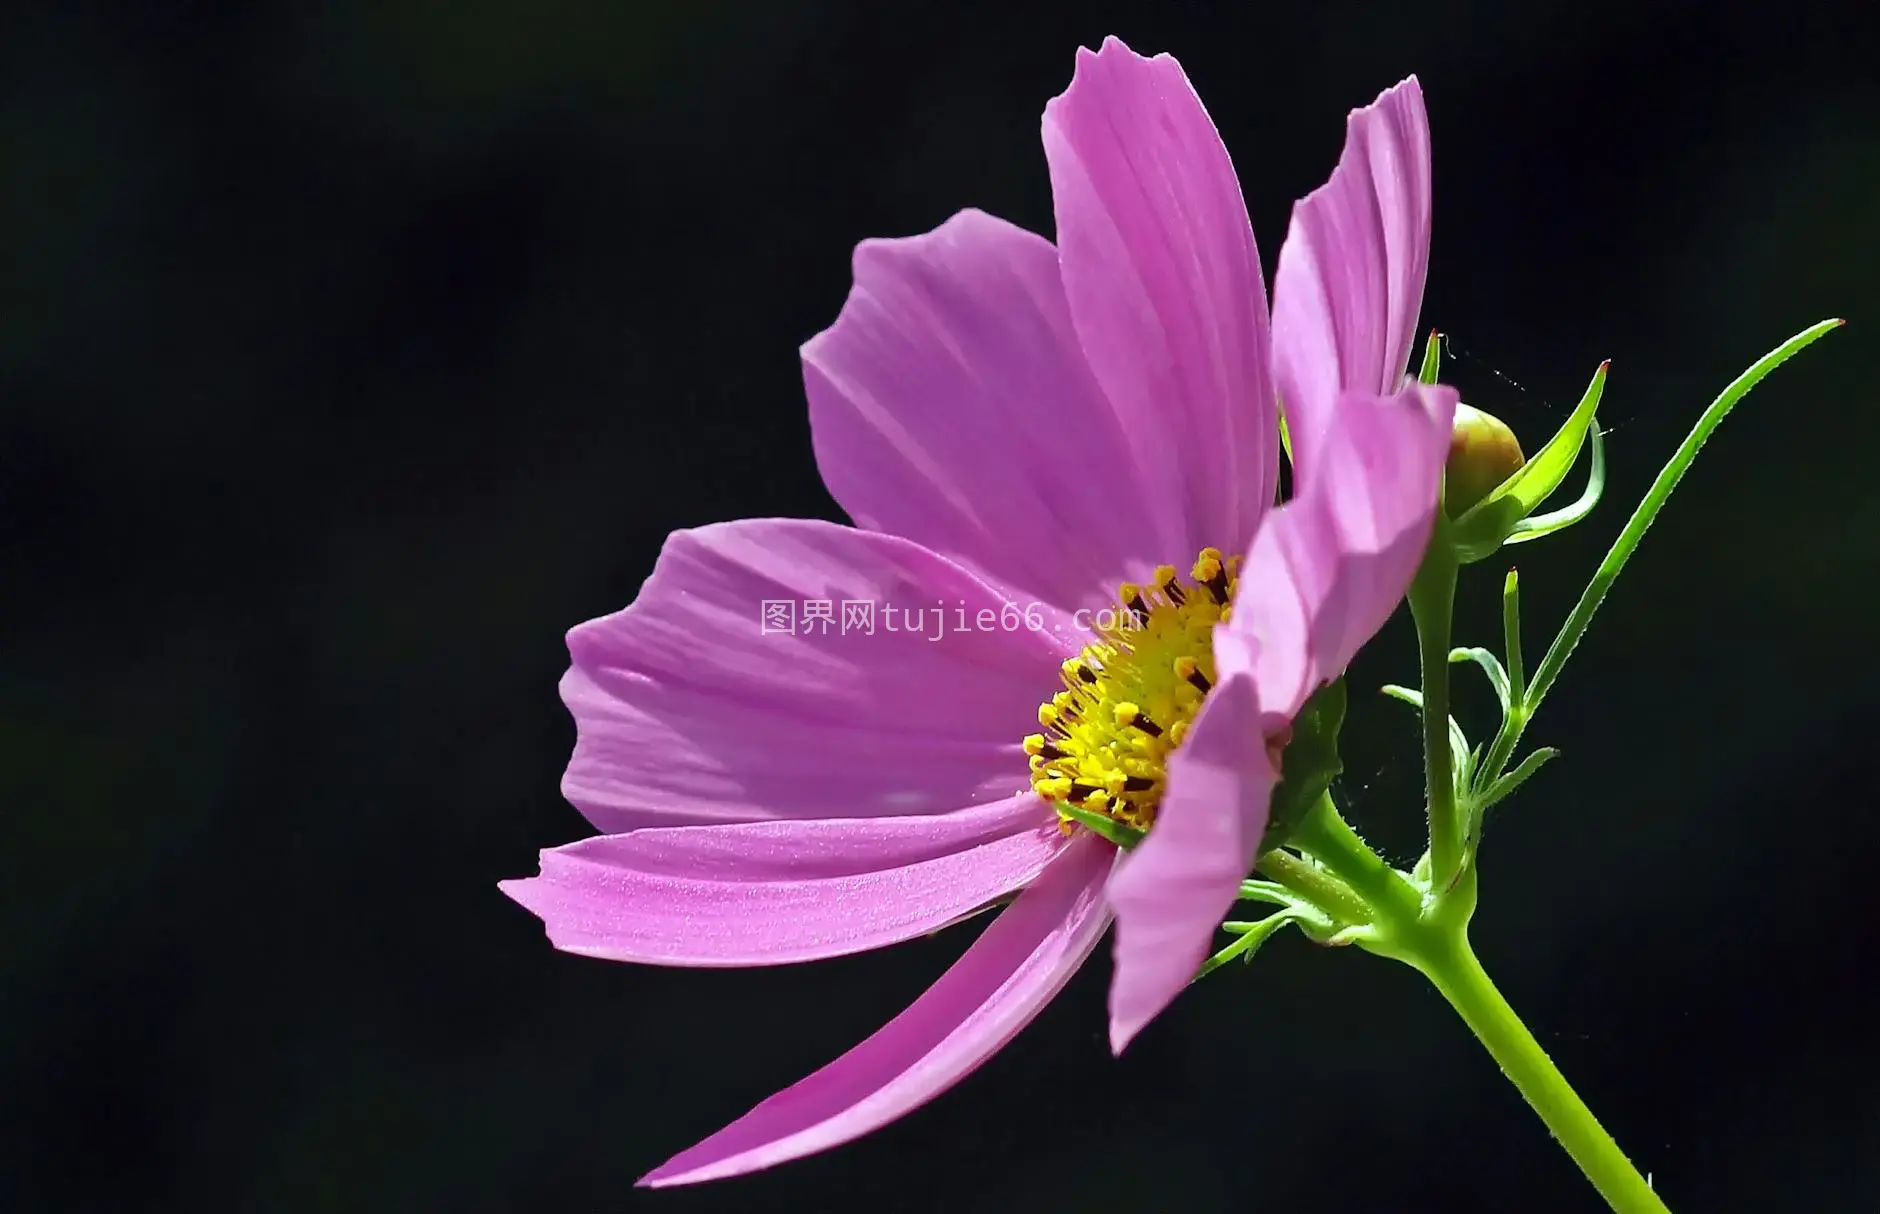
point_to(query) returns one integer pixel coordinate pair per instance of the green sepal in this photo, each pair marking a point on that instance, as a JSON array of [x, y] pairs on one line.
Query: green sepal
[[1483, 529], [1122, 834], [1309, 763], [1432, 359], [1537, 525]]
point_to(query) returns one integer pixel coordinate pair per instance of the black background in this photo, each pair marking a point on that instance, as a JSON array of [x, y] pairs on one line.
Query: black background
[[350, 352]]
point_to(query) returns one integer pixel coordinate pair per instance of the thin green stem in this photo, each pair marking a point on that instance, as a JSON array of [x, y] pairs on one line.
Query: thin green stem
[[1432, 603], [1451, 965]]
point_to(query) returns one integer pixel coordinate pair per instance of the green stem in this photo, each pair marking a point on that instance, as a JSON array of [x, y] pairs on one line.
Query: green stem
[[1397, 924], [1328, 838], [1432, 602], [1451, 965]]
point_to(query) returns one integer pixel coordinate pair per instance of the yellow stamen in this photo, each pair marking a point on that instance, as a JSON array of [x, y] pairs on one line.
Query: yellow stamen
[[1130, 696]]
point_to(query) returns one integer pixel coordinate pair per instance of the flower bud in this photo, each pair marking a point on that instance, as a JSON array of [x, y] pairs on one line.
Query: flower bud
[[1483, 452]]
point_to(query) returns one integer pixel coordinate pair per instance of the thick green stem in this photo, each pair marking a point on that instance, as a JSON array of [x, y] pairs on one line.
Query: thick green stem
[[1398, 924], [1328, 838], [1450, 964], [1432, 602]]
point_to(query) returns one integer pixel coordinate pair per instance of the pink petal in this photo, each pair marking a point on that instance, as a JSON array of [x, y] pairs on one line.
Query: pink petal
[[769, 893], [1173, 890], [950, 404], [1020, 962], [688, 711], [1329, 567], [1350, 278], [1322, 576], [1165, 288]]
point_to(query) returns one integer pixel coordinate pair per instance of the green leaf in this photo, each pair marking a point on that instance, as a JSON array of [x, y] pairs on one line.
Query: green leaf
[[1122, 834], [1501, 788], [1655, 498], [1633, 533], [1488, 524], [1491, 666], [1511, 638], [1535, 526], [1432, 359], [1252, 936], [1309, 763]]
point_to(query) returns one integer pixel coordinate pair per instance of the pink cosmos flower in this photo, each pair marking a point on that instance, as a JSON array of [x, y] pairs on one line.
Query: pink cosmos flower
[[1021, 432]]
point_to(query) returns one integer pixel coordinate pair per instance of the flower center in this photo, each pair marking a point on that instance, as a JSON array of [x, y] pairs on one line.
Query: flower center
[[1130, 696]]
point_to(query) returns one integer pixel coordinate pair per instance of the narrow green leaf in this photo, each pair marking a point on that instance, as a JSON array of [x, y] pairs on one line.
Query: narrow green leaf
[[1511, 637], [1458, 758], [1252, 936], [1491, 666], [1458, 741], [1271, 892], [1501, 788], [1654, 501]]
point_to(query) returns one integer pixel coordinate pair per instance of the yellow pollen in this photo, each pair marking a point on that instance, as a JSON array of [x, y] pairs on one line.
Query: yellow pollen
[[1130, 696]]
